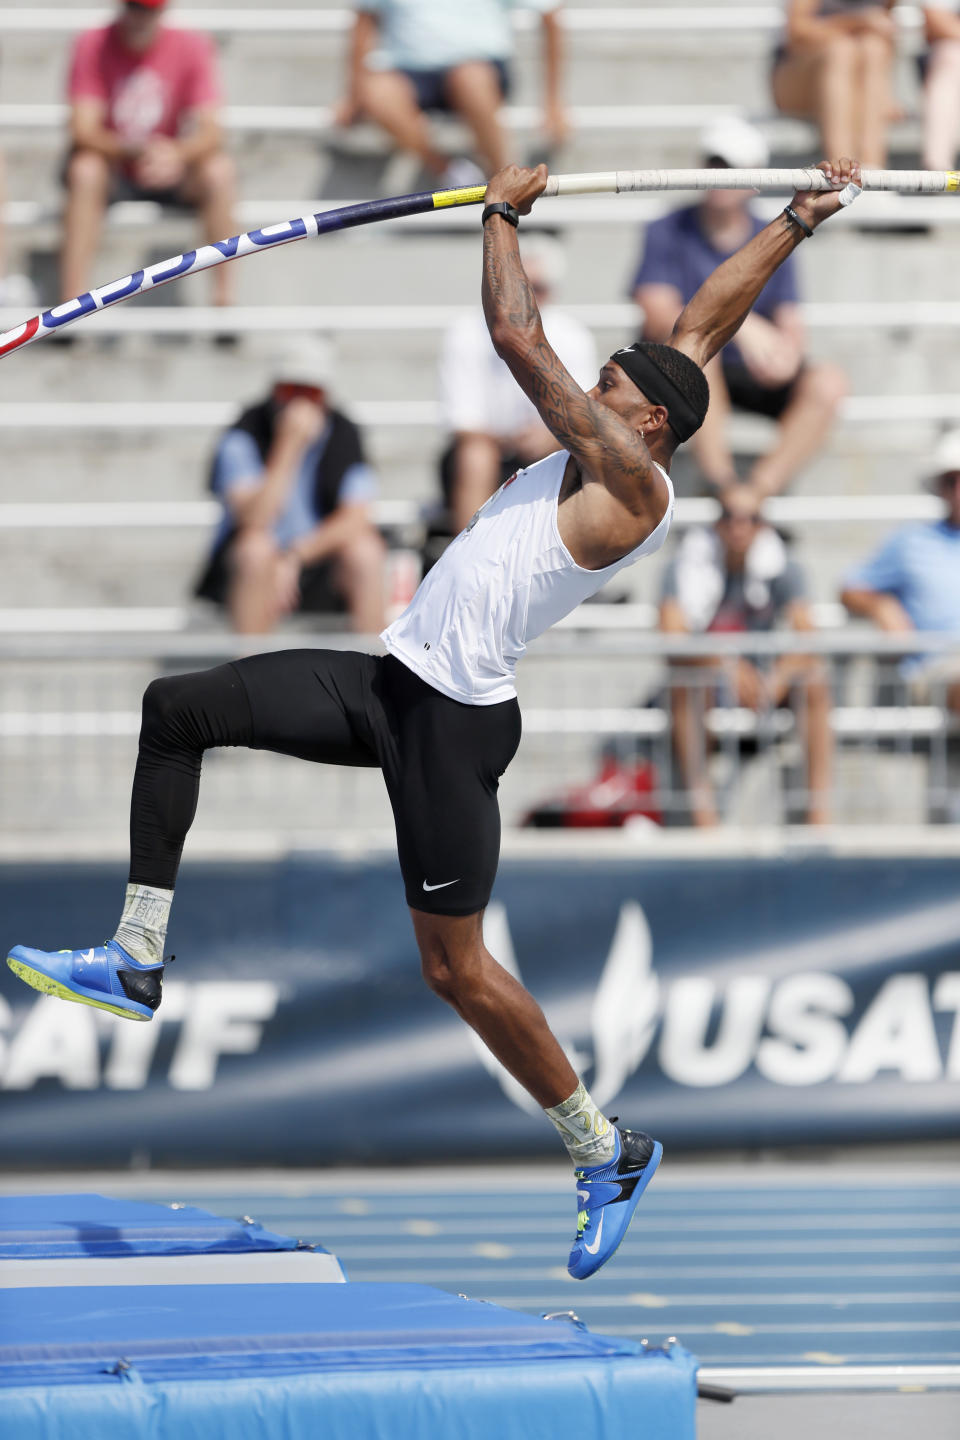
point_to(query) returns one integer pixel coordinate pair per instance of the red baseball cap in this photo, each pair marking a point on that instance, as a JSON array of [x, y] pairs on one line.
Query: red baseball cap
[[147, 4]]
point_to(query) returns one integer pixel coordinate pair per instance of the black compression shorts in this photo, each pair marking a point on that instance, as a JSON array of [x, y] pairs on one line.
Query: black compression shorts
[[441, 760]]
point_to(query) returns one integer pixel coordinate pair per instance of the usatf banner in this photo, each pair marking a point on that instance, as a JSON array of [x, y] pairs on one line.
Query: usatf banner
[[742, 1002]]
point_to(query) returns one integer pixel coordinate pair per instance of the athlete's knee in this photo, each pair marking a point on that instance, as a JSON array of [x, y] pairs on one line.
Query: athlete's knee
[[161, 705], [452, 962], [169, 712]]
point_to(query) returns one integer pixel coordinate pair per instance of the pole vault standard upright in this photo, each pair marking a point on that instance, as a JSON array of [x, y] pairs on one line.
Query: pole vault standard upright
[[617, 182]]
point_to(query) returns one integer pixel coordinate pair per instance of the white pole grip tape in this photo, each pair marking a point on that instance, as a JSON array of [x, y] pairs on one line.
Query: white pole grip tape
[[767, 182]]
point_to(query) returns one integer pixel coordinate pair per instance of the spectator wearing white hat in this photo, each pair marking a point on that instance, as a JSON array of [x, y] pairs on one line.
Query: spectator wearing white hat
[[765, 370], [912, 582], [296, 533]]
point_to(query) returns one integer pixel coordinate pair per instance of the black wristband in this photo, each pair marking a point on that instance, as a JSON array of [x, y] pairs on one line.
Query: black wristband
[[795, 219], [500, 207]]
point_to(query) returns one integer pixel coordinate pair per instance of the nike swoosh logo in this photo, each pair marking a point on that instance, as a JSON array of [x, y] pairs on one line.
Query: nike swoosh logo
[[583, 1195], [592, 1249], [87, 957], [442, 886]]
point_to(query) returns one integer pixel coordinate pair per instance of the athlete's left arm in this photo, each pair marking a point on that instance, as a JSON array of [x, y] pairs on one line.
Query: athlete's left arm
[[718, 309], [606, 447]]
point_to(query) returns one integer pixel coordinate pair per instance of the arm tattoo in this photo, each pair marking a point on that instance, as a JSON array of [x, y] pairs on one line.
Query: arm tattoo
[[591, 432], [507, 294]]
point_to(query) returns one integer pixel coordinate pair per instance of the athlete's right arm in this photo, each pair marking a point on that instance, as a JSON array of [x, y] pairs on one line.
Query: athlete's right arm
[[606, 446]]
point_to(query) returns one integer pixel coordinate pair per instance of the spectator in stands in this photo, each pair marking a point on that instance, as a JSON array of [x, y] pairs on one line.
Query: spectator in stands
[[408, 57], [913, 581], [835, 66], [764, 370], [144, 124], [296, 532], [495, 429], [738, 577], [941, 90]]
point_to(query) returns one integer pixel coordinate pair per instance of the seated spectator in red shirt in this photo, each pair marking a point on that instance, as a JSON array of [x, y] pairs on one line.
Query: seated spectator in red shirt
[[296, 533], [738, 576], [764, 370], [143, 125]]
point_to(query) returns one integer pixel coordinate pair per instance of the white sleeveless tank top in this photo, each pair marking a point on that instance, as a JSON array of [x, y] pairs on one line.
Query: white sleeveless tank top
[[504, 580]]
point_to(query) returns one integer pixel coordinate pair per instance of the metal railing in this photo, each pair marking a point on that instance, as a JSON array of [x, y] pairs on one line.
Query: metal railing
[[620, 723]]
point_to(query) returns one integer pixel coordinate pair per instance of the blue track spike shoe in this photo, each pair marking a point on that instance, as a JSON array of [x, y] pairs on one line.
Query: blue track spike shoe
[[607, 1196], [106, 977]]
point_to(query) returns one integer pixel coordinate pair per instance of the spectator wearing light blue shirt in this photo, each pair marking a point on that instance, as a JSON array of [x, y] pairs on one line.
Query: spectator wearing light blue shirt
[[296, 533], [408, 57], [913, 581]]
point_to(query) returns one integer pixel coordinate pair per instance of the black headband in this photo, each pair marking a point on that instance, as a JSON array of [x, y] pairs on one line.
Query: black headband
[[683, 419]]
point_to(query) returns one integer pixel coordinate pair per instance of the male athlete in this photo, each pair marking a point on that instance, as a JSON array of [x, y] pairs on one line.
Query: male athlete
[[438, 713]]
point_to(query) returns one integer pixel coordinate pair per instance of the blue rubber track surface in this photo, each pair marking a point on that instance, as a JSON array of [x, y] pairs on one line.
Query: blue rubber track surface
[[758, 1274]]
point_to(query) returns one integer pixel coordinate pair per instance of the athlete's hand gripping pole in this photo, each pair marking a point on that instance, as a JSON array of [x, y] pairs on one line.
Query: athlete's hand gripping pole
[[618, 182]]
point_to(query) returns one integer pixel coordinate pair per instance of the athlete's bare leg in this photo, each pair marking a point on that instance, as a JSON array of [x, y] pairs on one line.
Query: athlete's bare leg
[[460, 969]]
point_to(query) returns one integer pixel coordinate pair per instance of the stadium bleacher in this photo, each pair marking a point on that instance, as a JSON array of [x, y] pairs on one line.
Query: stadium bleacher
[[104, 512]]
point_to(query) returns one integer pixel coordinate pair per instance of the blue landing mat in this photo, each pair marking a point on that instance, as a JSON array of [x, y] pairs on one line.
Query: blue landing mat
[[38, 1227], [332, 1362]]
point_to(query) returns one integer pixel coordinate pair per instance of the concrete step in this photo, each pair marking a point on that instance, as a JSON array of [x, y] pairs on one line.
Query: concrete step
[[272, 163], [309, 69], [406, 472], [380, 265], [403, 364], [172, 465], [178, 386], [158, 566]]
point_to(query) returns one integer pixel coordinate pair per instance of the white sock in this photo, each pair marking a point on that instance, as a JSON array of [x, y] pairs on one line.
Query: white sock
[[589, 1137], [143, 925]]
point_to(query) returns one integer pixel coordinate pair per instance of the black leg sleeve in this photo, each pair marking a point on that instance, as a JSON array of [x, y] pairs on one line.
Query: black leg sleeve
[[183, 715]]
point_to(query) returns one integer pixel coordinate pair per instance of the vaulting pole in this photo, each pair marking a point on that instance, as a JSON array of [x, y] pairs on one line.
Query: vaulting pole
[[618, 182]]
